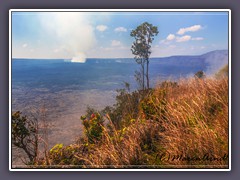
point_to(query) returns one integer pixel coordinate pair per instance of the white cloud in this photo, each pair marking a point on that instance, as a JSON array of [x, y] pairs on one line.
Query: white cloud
[[183, 38], [194, 28], [170, 37], [116, 43], [25, 45], [120, 29], [101, 28], [197, 39]]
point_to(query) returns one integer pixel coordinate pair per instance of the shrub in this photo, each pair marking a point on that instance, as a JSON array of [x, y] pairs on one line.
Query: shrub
[[200, 75], [93, 127], [25, 135]]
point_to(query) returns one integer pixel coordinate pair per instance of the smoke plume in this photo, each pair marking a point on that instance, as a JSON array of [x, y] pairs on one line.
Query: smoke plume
[[72, 31]]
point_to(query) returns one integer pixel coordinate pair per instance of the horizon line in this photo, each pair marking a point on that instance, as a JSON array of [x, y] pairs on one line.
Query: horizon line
[[115, 57]]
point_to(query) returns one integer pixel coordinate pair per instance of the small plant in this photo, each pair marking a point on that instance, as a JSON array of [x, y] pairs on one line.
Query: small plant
[[200, 75], [65, 155], [93, 127]]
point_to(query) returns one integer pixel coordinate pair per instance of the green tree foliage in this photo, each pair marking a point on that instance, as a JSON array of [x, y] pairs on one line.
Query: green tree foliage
[[141, 48], [126, 107], [25, 135]]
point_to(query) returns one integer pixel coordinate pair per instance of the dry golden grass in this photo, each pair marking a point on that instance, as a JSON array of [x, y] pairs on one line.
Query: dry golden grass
[[186, 127], [197, 121]]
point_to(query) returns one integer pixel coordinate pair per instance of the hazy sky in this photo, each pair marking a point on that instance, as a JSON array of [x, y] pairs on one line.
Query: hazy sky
[[80, 35]]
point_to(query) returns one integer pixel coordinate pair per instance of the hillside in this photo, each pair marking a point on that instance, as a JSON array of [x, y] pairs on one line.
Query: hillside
[[174, 126], [185, 121], [209, 62]]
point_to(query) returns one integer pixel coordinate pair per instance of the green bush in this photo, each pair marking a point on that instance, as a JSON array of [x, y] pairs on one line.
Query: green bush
[[93, 127], [65, 155]]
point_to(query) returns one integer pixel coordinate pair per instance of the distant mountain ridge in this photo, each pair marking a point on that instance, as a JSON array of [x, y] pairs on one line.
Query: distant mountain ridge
[[210, 62], [216, 52], [215, 60]]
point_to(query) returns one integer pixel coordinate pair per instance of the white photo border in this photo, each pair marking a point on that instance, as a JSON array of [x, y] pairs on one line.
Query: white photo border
[[119, 10]]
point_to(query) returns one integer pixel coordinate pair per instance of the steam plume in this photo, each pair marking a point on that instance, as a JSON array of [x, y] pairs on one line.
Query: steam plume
[[72, 31]]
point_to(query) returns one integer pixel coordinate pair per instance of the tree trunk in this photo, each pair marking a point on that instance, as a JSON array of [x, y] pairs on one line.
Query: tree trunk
[[147, 76], [30, 156], [143, 77]]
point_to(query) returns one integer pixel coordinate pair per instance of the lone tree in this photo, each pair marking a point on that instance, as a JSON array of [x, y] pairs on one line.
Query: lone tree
[[141, 48]]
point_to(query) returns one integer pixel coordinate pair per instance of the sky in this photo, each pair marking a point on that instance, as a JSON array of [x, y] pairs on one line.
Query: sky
[[81, 35]]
